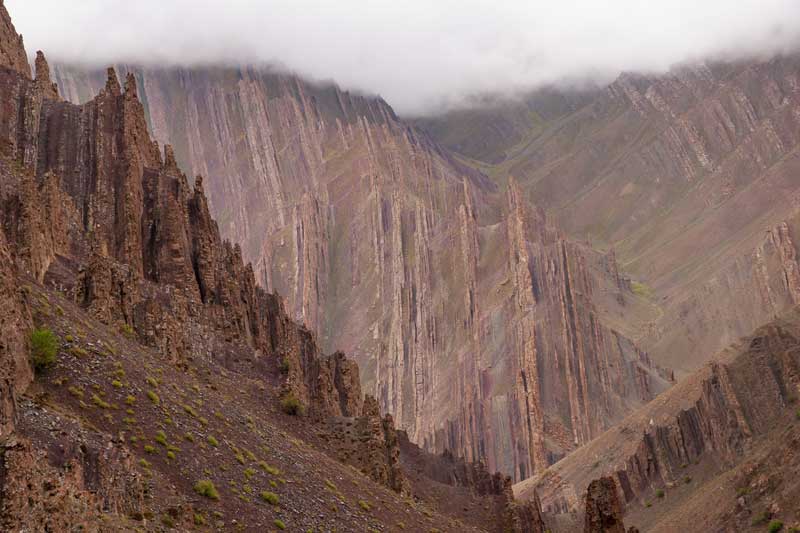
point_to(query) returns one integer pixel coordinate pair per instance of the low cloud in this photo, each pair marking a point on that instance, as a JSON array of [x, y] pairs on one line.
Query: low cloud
[[420, 55]]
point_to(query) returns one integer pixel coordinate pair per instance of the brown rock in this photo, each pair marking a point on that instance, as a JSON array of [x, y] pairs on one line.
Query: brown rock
[[12, 50], [603, 508]]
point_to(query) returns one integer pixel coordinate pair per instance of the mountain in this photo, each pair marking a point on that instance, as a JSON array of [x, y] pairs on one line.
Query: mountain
[[719, 451], [690, 178], [147, 382], [476, 323]]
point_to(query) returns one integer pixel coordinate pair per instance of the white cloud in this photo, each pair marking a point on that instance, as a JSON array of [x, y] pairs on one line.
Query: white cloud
[[418, 54]]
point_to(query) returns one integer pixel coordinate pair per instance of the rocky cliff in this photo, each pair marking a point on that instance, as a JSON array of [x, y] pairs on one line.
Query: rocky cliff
[[689, 177], [114, 255], [471, 316], [702, 433]]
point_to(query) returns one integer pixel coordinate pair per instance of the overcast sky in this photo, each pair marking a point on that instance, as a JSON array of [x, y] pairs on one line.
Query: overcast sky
[[418, 54]]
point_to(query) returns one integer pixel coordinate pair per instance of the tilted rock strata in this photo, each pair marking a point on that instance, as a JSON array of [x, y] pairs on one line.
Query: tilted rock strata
[[413, 264], [712, 418]]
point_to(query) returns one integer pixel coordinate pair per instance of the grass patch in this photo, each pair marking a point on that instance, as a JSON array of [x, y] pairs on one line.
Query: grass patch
[[117, 384], [364, 505], [269, 469], [171, 455], [150, 449], [75, 391], [154, 397], [291, 405], [99, 402], [130, 400], [640, 289], [212, 441], [206, 488], [153, 382], [161, 438], [270, 497], [44, 348], [775, 526], [279, 524]]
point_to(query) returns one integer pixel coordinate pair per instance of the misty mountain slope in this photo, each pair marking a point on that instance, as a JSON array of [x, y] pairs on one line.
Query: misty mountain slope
[[691, 178], [472, 318], [720, 451], [147, 383]]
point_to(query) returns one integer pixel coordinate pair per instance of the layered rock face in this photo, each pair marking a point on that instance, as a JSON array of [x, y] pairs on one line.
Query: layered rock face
[[712, 422], [681, 174], [135, 245], [470, 315]]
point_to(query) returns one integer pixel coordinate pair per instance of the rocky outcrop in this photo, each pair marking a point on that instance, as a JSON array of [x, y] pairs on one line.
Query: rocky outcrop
[[389, 250], [15, 322], [12, 49], [603, 509], [712, 419]]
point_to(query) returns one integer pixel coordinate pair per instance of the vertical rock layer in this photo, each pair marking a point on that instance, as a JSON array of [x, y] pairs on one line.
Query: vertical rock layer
[[681, 175], [470, 315]]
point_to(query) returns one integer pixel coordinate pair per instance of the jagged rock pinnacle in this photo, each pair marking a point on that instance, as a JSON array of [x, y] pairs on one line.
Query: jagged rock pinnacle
[[112, 82]]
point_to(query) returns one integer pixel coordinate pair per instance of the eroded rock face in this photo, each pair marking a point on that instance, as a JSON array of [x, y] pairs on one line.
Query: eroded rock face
[[603, 509], [716, 419], [12, 49], [462, 306], [15, 323]]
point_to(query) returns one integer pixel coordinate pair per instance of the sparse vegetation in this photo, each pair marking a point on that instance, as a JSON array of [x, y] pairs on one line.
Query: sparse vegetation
[[190, 411], [269, 469], [199, 520], [212, 441], [117, 384], [249, 473], [687, 479], [78, 352], [291, 405], [150, 449], [130, 400], [659, 493], [206, 488], [640, 289], [775, 526], [161, 438], [279, 524], [75, 391], [99, 402], [127, 330], [270, 497], [154, 397], [171, 455], [285, 366], [364, 505], [44, 348]]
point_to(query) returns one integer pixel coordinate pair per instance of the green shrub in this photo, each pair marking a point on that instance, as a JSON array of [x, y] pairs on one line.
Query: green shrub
[[168, 521], [127, 330], [161, 438], [150, 449], [153, 397], [212, 441], [171, 455], [279, 524], [117, 384], [144, 463], [206, 488], [660, 493], [270, 497], [775, 526], [190, 411], [249, 472], [269, 469], [199, 520], [44, 347], [99, 402], [291, 405], [130, 400], [364, 505], [153, 382]]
